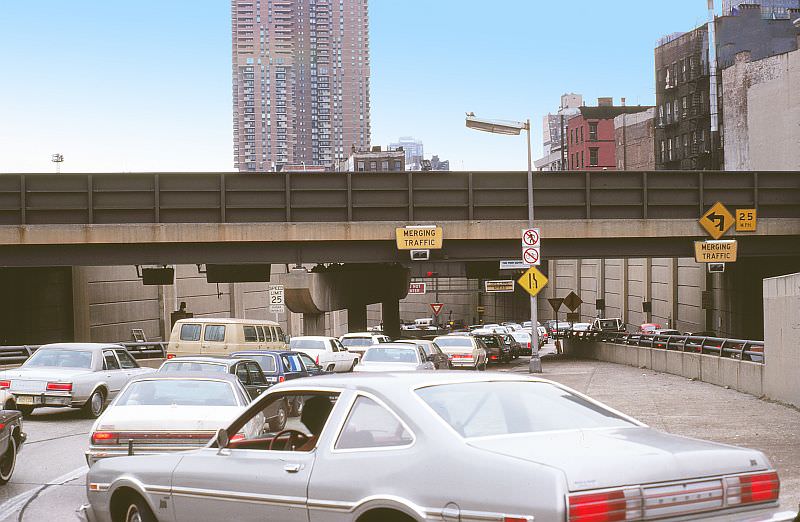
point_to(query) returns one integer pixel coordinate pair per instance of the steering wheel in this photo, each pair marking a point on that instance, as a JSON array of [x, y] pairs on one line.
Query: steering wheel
[[291, 433]]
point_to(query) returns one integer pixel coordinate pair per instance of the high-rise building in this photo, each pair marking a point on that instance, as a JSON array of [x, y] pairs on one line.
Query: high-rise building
[[413, 149], [300, 81], [771, 9]]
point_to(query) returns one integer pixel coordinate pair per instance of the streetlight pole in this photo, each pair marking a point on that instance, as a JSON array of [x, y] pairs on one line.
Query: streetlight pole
[[514, 128]]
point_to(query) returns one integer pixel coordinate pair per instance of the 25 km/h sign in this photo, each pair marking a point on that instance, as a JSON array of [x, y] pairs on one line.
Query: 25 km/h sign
[[532, 281], [717, 220]]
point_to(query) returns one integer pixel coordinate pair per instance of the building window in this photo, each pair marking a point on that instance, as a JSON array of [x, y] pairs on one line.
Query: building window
[[373, 166], [593, 131], [663, 151], [360, 167], [593, 156], [581, 133], [582, 163], [385, 165]]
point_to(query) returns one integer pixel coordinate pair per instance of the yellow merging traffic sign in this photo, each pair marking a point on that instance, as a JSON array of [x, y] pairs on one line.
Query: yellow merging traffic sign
[[532, 281], [717, 220], [721, 251]]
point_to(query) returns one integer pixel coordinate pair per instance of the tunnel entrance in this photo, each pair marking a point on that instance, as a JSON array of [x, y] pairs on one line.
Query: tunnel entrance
[[37, 305]]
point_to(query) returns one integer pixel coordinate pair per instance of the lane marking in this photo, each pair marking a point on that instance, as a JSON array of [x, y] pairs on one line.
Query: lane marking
[[10, 506]]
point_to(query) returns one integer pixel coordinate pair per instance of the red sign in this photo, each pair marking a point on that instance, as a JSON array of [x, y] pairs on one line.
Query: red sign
[[530, 237], [437, 308], [530, 256], [416, 288]]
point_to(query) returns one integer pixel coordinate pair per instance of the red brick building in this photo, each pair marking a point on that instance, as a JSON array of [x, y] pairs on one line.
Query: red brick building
[[591, 143]]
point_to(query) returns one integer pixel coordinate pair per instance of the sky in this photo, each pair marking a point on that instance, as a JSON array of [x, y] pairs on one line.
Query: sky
[[145, 85]]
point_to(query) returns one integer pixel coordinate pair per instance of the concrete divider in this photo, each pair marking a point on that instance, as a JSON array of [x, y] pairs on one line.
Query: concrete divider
[[745, 376]]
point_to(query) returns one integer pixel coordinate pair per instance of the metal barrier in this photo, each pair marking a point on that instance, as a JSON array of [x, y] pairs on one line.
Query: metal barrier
[[733, 348], [147, 350]]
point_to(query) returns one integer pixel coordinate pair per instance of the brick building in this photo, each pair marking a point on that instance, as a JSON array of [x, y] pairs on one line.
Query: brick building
[[635, 138]]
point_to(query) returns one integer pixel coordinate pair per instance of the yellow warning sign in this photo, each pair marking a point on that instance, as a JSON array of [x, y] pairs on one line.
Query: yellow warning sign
[[745, 220], [717, 220], [532, 281], [419, 238], [723, 251]]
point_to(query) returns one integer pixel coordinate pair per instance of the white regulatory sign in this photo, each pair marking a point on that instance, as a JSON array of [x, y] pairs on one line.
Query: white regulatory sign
[[531, 244], [276, 295], [513, 264]]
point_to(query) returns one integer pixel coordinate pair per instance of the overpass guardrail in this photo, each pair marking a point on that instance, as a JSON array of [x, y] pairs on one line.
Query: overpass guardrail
[[743, 349], [10, 355]]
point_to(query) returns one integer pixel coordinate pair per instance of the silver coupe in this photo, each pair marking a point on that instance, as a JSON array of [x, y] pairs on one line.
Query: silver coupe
[[449, 446], [77, 375]]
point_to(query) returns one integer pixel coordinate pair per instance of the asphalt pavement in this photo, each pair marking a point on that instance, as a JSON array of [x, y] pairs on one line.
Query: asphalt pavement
[[49, 482]]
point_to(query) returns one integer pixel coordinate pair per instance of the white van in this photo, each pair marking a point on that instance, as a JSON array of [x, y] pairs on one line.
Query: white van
[[221, 336]]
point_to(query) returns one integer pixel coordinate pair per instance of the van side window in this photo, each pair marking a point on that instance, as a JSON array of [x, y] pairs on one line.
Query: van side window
[[215, 332], [270, 334], [250, 335], [260, 330], [278, 334], [190, 332]]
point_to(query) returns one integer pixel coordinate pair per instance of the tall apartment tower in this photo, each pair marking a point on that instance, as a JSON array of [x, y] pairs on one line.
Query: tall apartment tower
[[300, 82]]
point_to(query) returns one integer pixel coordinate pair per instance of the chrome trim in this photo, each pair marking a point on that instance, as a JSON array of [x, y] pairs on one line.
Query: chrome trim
[[277, 500]]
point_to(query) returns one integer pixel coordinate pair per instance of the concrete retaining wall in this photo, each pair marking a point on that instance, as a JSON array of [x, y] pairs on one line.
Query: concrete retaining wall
[[782, 338], [745, 376]]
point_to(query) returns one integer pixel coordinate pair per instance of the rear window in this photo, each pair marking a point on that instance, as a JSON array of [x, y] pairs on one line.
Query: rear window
[[190, 332], [192, 366], [491, 342], [446, 342], [215, 333], [357, 341], [250, 335], [292, 363], [184, 392], [391, 354], [266, 362], [306, 344]]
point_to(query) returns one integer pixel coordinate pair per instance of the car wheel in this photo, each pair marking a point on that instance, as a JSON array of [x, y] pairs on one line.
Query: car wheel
[[353, 366], [137, 511], [278, 422], [297, 407], [94, 406], [26, 411], [8, 460]]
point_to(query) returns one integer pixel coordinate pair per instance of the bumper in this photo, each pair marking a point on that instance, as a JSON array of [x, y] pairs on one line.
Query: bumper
[[45, 399], [772, 515], [463, 363]]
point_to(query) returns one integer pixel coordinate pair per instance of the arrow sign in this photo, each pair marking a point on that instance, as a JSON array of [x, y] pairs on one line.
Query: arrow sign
[[436, 308], [717, 220]]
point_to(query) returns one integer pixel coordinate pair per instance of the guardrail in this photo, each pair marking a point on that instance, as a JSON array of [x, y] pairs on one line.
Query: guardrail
[[148, 350], [733, 348]]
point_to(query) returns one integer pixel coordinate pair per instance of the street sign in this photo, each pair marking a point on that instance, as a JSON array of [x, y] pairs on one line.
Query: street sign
[[715, 268], [277, 309], [745, 220], [426, 237], [717, 220], [504, 285], [276, 299], [420, 255], [572, 301], [555, 303], [437, 308], [532, 281], [721, 251], [513, 264], [574, 317], [481, 310], [417, 288], [531, 253]]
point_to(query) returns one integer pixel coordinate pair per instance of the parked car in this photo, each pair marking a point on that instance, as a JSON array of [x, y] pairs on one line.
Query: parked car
[[434, 354], [166, 412], [358, 342], [11, 440], [7, 401], [614, 324], [496, 350], [277, 365], [394, 357], [327, 352], [221, 336], [246, 370], [370, 448], [465, 351], [76, 375]]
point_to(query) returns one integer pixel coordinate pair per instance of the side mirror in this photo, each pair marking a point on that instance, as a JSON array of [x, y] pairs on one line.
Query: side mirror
[[222, 438]]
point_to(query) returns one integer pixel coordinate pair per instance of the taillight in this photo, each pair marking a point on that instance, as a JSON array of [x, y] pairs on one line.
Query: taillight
[[281, 378], [2, 426], [493, 357], [607, 506], [317, 360], [529, 346], [170, 356], [105, 437], [4, 385], [751, 489], [59, 386]]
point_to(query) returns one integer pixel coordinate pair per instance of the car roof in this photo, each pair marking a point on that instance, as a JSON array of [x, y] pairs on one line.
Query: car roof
[[216, 376], [411, 341], [406, 346], [362, 334], [227, 320], [312, 338], [81, 346], [215, 359]]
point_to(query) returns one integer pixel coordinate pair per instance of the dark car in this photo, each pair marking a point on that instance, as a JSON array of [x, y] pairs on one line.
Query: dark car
[[432, 351], [277, 365], [496, 350], [11, 440], [514, 345], [246, 370]]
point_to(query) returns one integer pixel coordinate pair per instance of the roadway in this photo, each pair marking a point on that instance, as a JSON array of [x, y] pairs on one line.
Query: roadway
[[48, 483]]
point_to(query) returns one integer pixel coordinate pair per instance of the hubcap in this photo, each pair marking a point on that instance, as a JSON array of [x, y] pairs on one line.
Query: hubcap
[[7, 461], [97, 403], [133, 514]]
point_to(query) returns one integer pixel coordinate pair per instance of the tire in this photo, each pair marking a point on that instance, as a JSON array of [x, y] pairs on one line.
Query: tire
[[95, 405], [26, 411], [8, 460], [482, 367], [136, 510], [296, 408], [353, 366], [278, 422]]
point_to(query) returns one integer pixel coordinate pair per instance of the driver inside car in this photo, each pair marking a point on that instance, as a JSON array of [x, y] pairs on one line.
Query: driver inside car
[[315, 413]]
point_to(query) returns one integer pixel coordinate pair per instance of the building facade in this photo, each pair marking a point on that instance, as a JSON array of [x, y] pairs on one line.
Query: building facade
[[414, 150], [768, 9], [554, 142], [635, 138], [300, 81], [374, 160], [683, 138], [591, 139]]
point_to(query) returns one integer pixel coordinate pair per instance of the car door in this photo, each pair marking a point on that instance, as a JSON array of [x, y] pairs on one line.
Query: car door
[[337, 354], [129, 364], [258, 381], [240, 370], [115, 376]]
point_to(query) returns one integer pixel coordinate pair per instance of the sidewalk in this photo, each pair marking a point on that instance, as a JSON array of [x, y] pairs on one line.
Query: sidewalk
[[691, 408]]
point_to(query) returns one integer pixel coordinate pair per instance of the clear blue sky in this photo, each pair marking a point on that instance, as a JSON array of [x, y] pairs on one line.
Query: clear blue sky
[[145, 85]]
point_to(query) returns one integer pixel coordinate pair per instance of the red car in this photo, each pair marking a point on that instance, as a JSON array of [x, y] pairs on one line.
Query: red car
[[649, 328]]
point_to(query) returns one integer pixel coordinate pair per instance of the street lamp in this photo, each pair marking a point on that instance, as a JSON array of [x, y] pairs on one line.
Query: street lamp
[[514, 128]]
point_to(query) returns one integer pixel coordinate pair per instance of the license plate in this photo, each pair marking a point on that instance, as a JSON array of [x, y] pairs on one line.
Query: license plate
[[25, 399]]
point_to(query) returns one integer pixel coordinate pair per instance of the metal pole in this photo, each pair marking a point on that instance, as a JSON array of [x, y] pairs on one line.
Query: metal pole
[[535, 365]]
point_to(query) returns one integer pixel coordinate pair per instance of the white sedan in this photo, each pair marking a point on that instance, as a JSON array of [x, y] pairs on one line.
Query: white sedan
[[394, 357], [167, 412]]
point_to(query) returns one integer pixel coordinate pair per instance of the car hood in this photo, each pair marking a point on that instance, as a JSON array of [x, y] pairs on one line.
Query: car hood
[[44, 373], [167, 418], [602, 458], [369, 366]]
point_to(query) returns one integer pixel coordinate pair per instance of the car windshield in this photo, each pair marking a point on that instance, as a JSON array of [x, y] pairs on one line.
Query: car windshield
[[391, 354], [480, 409], [357, 341], [60, 358], [192, 366], [306, 344], [267, 362], [608, 323], [178, 392]]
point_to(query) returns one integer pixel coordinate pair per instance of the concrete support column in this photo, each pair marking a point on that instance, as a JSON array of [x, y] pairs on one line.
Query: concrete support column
[[236, 296], [167, 302], [357, 318], [601, 284], [313, 324], [391, 318], [80, 305], [578, 277]]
